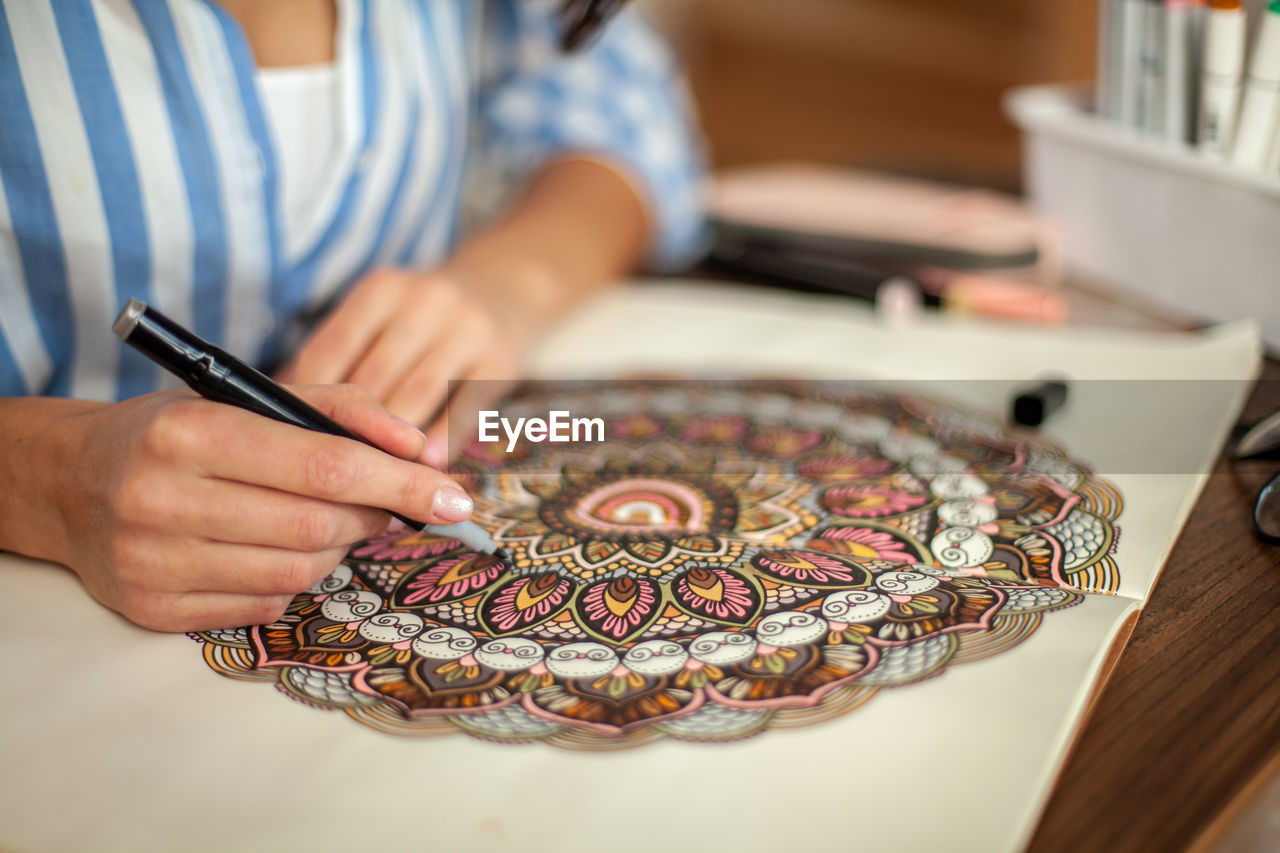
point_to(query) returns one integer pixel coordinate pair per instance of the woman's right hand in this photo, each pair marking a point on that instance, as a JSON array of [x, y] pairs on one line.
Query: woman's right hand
[[184, 514]]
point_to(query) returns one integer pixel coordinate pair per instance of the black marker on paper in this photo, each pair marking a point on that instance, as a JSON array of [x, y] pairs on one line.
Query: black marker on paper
[[1034, 406], [219, 376]]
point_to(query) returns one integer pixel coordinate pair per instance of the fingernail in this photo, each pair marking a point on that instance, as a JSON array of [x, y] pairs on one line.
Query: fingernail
[[435, 453], [395, 526], [410, 425], [451, 504]]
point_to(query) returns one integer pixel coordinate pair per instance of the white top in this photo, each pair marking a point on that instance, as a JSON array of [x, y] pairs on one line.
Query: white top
[[300, 104]]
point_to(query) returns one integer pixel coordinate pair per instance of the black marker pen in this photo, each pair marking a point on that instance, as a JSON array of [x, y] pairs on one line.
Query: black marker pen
[[1033, 406], [219, 376]]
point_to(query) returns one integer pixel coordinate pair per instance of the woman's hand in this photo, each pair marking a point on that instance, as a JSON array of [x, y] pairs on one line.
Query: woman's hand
[[184, 514], [403, 336]]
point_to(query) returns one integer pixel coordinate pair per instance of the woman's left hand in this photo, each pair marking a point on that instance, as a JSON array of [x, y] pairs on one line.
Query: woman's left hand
[[404, 336]]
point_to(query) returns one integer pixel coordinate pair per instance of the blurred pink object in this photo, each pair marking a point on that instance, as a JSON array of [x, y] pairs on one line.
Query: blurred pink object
[[941, 224]]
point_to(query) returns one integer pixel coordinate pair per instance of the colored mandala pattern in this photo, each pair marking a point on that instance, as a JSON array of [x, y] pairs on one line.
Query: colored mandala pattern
[[735, 557]]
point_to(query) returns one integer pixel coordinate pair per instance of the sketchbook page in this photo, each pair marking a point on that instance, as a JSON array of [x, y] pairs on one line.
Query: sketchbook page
[[1147, 410], [158, 743], [157, 753]]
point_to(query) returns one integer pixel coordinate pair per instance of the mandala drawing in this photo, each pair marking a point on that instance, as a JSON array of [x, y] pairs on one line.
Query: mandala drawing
[[734, 557]]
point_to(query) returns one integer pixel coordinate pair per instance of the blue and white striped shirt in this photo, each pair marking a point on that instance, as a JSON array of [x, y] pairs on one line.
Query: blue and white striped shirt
[[135, 161]]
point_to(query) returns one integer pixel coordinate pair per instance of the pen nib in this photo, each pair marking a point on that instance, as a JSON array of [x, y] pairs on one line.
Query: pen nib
[[503, 556]]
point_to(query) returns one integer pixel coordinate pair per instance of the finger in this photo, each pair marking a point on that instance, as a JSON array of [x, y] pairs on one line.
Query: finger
[[176, 564], [422, 391], [345, 335], [202, 611], [490, 381], [230, 512], [407, 335], [254, 570], [357, 410], [231, 444]]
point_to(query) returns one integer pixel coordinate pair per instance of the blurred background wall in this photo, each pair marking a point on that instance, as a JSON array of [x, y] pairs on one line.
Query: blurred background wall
[[908, 86]]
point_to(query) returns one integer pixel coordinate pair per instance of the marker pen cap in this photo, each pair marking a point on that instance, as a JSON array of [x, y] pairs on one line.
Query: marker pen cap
[[1224, 38], [1264, 66], [899, 302]]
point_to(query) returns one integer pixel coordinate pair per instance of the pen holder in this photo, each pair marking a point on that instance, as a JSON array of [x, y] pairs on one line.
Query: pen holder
[[1152, 217]]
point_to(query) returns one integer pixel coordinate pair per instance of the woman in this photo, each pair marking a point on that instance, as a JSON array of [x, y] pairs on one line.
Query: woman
[[286, 179]]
